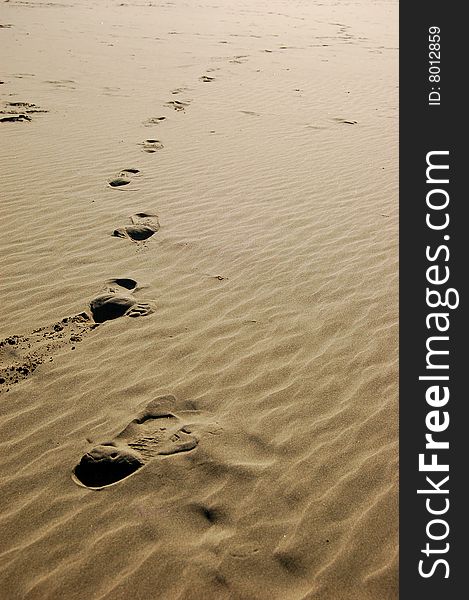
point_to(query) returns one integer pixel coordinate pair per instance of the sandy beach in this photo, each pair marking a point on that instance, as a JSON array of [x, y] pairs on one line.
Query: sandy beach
[[199, 287]]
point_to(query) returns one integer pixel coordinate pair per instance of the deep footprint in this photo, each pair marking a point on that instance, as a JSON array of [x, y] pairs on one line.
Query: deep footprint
[[115, 303], [157, 431], [144, 225]]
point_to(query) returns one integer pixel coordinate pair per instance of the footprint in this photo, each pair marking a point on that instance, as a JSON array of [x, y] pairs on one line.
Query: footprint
[[144, 225], [178, 105], [151, 146], [114, 303], [157, 431], [153, 121], [123, 178], [206, 78]]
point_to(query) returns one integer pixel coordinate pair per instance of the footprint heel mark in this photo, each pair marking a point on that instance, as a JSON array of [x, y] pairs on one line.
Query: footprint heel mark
[[158, 431], [144, 225]]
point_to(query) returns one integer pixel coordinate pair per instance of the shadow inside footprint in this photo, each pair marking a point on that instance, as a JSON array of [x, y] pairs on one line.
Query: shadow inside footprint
[[114, 305], [123, 282], [107, 464], [137, 233], [157, 431]]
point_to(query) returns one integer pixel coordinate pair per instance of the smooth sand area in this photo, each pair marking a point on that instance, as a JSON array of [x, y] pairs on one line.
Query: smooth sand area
[[227, 173]]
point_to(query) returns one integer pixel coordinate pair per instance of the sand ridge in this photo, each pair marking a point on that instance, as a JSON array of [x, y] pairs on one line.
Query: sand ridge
[[254, 404]]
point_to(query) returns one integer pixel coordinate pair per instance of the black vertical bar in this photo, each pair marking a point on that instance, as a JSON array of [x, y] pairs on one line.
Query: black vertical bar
[[433, 118]]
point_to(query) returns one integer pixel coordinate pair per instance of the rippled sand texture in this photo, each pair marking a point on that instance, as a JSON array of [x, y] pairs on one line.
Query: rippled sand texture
[[253, 232]]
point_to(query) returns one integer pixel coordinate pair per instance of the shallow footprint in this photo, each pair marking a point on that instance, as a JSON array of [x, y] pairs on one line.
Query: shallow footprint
[[157, 431], [151, 146]]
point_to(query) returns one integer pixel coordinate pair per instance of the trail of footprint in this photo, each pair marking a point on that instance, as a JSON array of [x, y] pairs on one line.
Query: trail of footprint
[[124, 177], [157, 431], [144, 225], [20, 355]]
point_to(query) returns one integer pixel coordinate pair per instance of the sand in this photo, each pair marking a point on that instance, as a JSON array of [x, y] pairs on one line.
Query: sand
[[252, 232]]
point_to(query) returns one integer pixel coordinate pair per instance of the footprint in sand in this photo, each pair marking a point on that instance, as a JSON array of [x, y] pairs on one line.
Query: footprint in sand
[[20, 355], [117, 300], [178, 105], [151, 146], [153, 121], [124, 177], [206, 78], [144, 225], [156, 432]]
